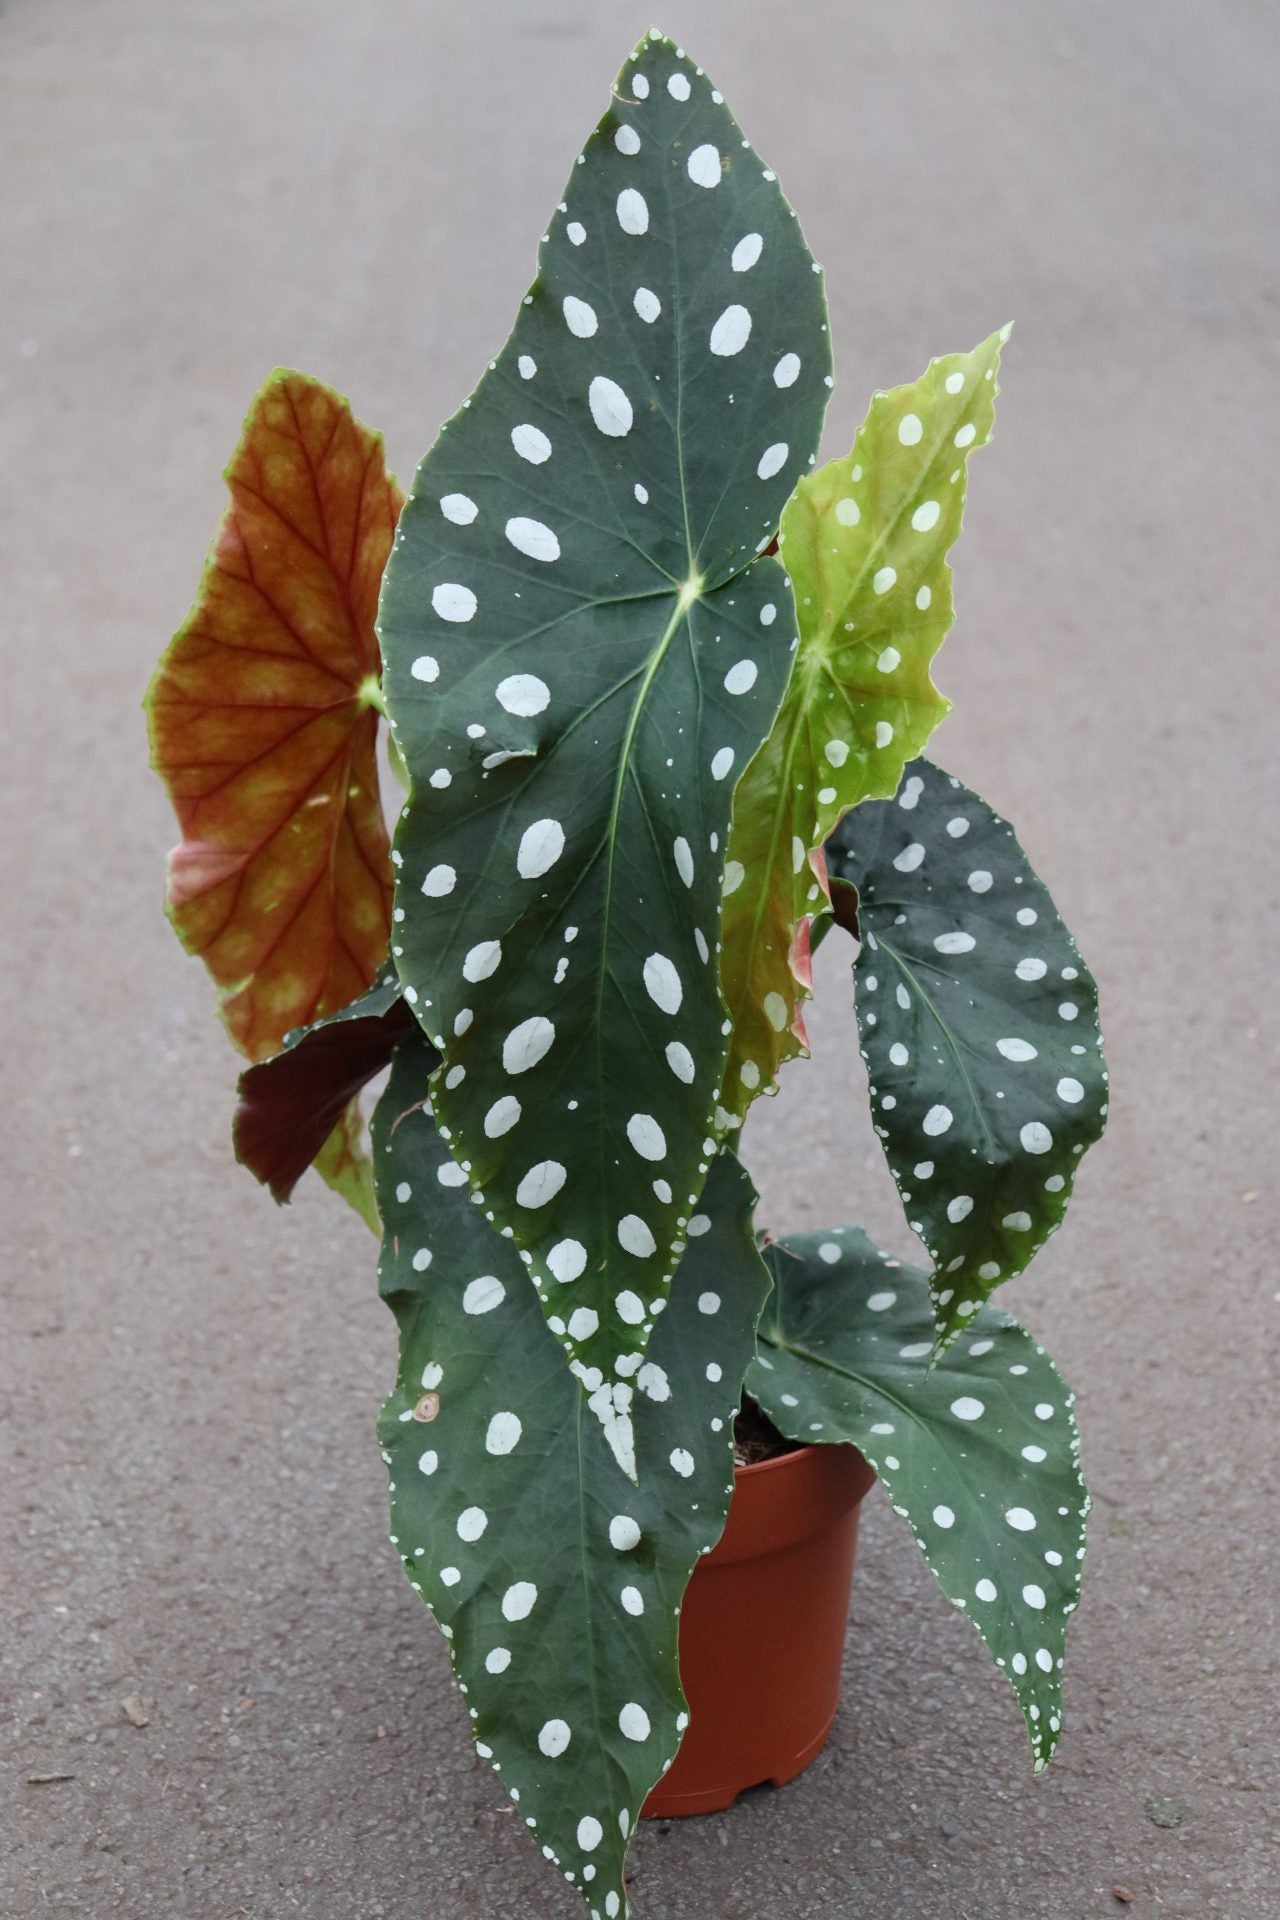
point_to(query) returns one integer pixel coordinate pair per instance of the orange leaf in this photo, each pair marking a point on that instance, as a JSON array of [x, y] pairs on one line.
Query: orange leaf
[[264, 718]]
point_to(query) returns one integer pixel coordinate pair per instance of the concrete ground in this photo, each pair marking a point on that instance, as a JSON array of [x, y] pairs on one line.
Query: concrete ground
[[194, 1508]]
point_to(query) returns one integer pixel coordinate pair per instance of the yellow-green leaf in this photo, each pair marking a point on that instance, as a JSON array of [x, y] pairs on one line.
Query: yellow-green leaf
[[865, 541]]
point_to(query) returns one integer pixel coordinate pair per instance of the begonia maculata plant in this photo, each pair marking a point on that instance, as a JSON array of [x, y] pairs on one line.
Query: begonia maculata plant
[[658, 687]]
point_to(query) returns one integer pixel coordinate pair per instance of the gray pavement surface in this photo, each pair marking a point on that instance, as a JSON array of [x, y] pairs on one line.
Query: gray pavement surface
[[194, 1508]]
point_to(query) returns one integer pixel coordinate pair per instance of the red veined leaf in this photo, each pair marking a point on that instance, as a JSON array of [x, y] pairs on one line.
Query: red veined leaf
[[264, 716]]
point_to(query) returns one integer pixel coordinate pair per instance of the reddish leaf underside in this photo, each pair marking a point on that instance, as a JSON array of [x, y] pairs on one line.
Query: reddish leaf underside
[[263, 727]]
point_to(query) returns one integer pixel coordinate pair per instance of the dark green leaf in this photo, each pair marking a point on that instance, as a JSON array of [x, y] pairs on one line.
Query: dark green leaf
[[979, 1455], [979, 1026], [582, 656], [557, 1582]]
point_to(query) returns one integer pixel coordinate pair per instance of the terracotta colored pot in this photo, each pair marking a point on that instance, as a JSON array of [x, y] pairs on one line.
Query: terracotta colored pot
[[762, 1630]]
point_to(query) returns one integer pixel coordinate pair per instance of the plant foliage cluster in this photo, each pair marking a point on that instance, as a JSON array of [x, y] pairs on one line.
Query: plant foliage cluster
[[660, 687]]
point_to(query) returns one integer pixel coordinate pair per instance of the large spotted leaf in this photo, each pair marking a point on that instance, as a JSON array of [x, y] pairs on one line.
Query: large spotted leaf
[[301, 1107], [263, 719], [979, 1453], [865, 541], [582, 654], [979, 1026], [556, 1581]]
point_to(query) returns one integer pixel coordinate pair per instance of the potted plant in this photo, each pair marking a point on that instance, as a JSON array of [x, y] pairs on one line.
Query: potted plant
[[658, 688]]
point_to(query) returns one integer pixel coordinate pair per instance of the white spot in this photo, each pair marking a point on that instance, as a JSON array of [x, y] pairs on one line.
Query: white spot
[[880, 1302], [472, 1523], [1044, 1410], [678, 86], [954, 382], [518, 1600], [708, 1303], [787, 371], [452, 601], [528, 1043], [542, 1183], [909, 859], [576, 232], [960, 1208], [747, 252], [775, 1011], [957, 828], [1035, 1137], [540, 847], [633, 1721], [483, 1295], [884, 733], [680, 1061], [450, 1174], [683, 858], [422, 1259], [610, 407], [503, 1434], [772, 460], [848, 512], [704, 167], [888, 660], [943, 1517], [1034, 1454], [449, 1576], [768, 614], [653, 1382], [567, 1259], [954, 943], [523, 693], [502, 1116], [681, 1461], [635, 1237], [924, 598], [482, 960], [590, 1833], [583, 1322], [1044, 1659], [527, 365], [742, 677], [1017, 1222], [554, 1738], [440, 881], [579, 317], [647, 305], [980, 881], [883, 579], [633, 211], [626, 139], [966, 436], [662, 983], [646, 1136], [1014, 1049], [1033, 1595], [632, 1600], [642, 494], [531, 443], [1030, 969], [459, 508], [497, 1660], [829, 1252], [640, 88], [731, 332], [722, 763], [1020, 1519], [534, 538], [986, 1590], [442, 777], [629, 1307], [967, 1408], [937, 1120], [426, 667], [910, 429], [1026, 916], [428, 1461], [925, 516], [1071, 1091]]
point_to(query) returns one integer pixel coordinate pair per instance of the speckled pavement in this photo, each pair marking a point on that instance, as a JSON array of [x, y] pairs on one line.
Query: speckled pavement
[[194, 1509]]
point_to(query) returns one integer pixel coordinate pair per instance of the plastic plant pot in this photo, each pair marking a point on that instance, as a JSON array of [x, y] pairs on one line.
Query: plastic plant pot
[[762, 1630]]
